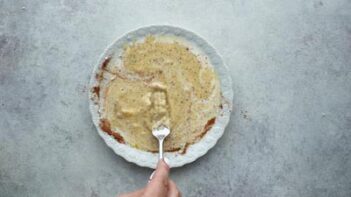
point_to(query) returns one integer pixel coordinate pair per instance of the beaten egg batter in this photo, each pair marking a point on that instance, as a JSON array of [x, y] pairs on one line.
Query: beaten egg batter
[[161, 82]]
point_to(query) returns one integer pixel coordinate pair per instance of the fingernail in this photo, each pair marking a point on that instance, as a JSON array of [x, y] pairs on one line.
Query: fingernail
[[151, 176]]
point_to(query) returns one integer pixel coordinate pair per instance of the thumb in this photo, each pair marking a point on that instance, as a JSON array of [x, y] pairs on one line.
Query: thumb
[[161, 173], [158, 186]]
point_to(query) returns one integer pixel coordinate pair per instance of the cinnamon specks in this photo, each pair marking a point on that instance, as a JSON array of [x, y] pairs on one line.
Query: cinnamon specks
[[99, 76], [209, 125], [96, 91], [185, 148], [245, 115], [105, 62], [106, 127]]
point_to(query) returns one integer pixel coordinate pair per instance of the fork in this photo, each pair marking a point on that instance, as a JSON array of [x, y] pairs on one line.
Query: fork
[[160, 132]]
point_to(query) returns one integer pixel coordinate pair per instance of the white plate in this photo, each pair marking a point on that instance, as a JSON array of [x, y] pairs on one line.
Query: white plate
[[148, 159]]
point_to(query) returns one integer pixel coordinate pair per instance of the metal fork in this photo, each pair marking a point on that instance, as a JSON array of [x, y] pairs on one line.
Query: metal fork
[[160, 132]]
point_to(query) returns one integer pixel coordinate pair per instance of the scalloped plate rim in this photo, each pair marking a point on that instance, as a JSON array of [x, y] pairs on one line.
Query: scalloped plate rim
[[147, 159]]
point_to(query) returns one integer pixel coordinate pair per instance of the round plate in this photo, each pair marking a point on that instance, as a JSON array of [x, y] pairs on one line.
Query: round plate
[[194, 151]]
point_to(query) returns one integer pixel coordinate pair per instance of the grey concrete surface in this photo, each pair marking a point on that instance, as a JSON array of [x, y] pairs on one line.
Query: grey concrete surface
[[290, 132]]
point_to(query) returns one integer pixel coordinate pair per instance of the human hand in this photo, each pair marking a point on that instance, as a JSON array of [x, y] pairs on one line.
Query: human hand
[[159, 185]]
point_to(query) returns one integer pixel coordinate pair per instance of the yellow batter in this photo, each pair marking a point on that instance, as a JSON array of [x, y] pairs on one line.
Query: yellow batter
[[161, 82]]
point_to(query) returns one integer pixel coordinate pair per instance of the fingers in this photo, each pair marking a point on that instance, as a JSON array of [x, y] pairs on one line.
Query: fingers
[[161, 173], [173, 191], [158, 186], [137, 193]]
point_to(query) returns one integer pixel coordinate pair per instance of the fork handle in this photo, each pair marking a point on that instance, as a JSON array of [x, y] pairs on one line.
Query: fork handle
[[160, 149]]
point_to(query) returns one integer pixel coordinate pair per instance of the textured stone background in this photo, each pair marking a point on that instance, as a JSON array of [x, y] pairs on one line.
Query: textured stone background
[[290, 133]]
